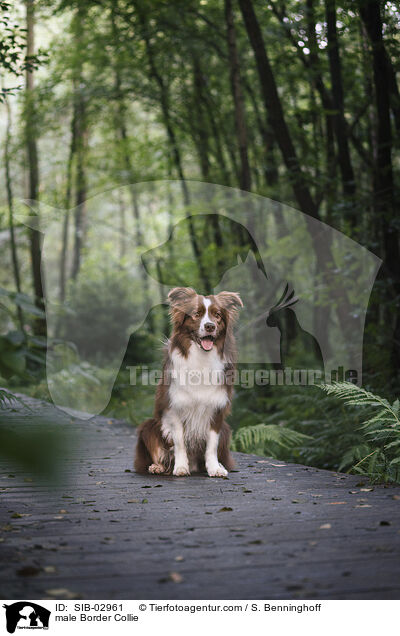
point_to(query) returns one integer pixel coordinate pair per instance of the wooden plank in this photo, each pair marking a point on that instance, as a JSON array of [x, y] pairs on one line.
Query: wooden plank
[[271, 530]]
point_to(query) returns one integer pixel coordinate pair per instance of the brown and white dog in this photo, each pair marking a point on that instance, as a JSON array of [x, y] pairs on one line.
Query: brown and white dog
[[188, 431]]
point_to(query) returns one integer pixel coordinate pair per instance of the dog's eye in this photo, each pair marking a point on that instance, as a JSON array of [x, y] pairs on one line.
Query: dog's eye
[[196, 314], [217, 314]]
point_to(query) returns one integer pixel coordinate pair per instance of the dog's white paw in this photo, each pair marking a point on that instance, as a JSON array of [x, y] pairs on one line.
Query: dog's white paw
[[181, 471], [217, 471], [156, 469]]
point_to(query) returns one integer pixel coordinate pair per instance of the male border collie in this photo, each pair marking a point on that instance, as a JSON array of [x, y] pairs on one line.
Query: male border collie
[[188, 431]]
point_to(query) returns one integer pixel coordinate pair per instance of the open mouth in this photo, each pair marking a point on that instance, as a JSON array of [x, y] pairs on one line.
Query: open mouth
[[207, 343]]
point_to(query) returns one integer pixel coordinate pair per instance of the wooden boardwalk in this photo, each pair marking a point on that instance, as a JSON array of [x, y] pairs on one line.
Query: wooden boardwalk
[[269, 531]]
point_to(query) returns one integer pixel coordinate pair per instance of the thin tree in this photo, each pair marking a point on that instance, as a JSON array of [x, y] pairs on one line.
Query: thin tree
[[67, 205], [10, 201], [33, 166], [345, 163], [122, 132], [274, 110], [238, 101], [175, 150], [81, 142]]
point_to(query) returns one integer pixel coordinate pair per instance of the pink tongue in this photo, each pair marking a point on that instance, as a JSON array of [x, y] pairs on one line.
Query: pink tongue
[[207, 344]]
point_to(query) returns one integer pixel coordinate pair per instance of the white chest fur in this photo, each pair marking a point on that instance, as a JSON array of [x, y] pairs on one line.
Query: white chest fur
[[196, 390]]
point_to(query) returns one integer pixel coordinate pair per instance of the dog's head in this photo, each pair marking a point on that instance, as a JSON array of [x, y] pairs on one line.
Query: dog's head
[[202, 319]]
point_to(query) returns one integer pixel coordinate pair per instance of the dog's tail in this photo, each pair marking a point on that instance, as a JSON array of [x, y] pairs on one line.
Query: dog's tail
[[142, 456]]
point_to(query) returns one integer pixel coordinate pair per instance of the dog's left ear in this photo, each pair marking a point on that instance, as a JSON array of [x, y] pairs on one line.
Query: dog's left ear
[[230, 300]]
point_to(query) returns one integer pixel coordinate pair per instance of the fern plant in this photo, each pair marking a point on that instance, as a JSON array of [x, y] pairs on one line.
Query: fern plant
[[380, 429], [265, 438], [6, 399], [329, 428], [344, 428]]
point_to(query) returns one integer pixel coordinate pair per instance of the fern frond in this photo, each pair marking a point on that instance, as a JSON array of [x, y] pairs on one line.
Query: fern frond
[[249, 438], [6, 398], [380, 428], [353, 395], [354, 454]]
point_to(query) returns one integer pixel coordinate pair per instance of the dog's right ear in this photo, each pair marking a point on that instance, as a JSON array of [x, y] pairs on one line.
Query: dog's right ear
[[180, 296], [182, 301]]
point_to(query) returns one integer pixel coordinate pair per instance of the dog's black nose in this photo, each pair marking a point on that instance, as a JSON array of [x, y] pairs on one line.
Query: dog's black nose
[[209, 326]]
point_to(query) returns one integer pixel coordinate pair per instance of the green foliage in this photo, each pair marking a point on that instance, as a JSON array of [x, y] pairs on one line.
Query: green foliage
[[20, 300], [379, 455], [266, 437], [108, 296], [22, 356], [132, 402], [345, 428], [6, 398], [13, 59]]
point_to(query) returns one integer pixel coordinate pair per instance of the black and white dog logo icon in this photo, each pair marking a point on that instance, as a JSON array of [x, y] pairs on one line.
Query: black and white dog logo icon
[[26, 615]]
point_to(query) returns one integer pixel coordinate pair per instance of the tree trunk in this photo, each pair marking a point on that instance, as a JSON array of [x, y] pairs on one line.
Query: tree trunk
[[275, 112], [271, 175], [10, 201], [80, 178], [165, 109], [121, 128], [80, 107], [383, 184], [346, 168], [277, 121], [199, 127], [64, 244], [33, 167], [237, 94], [122, 226]]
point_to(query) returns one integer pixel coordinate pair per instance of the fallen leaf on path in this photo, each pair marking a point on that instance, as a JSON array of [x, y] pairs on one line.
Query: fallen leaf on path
[[29, 570], [62, 592]]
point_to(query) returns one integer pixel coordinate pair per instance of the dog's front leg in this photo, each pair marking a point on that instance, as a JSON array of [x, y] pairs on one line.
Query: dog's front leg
[[181, 463], [213, 467]]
